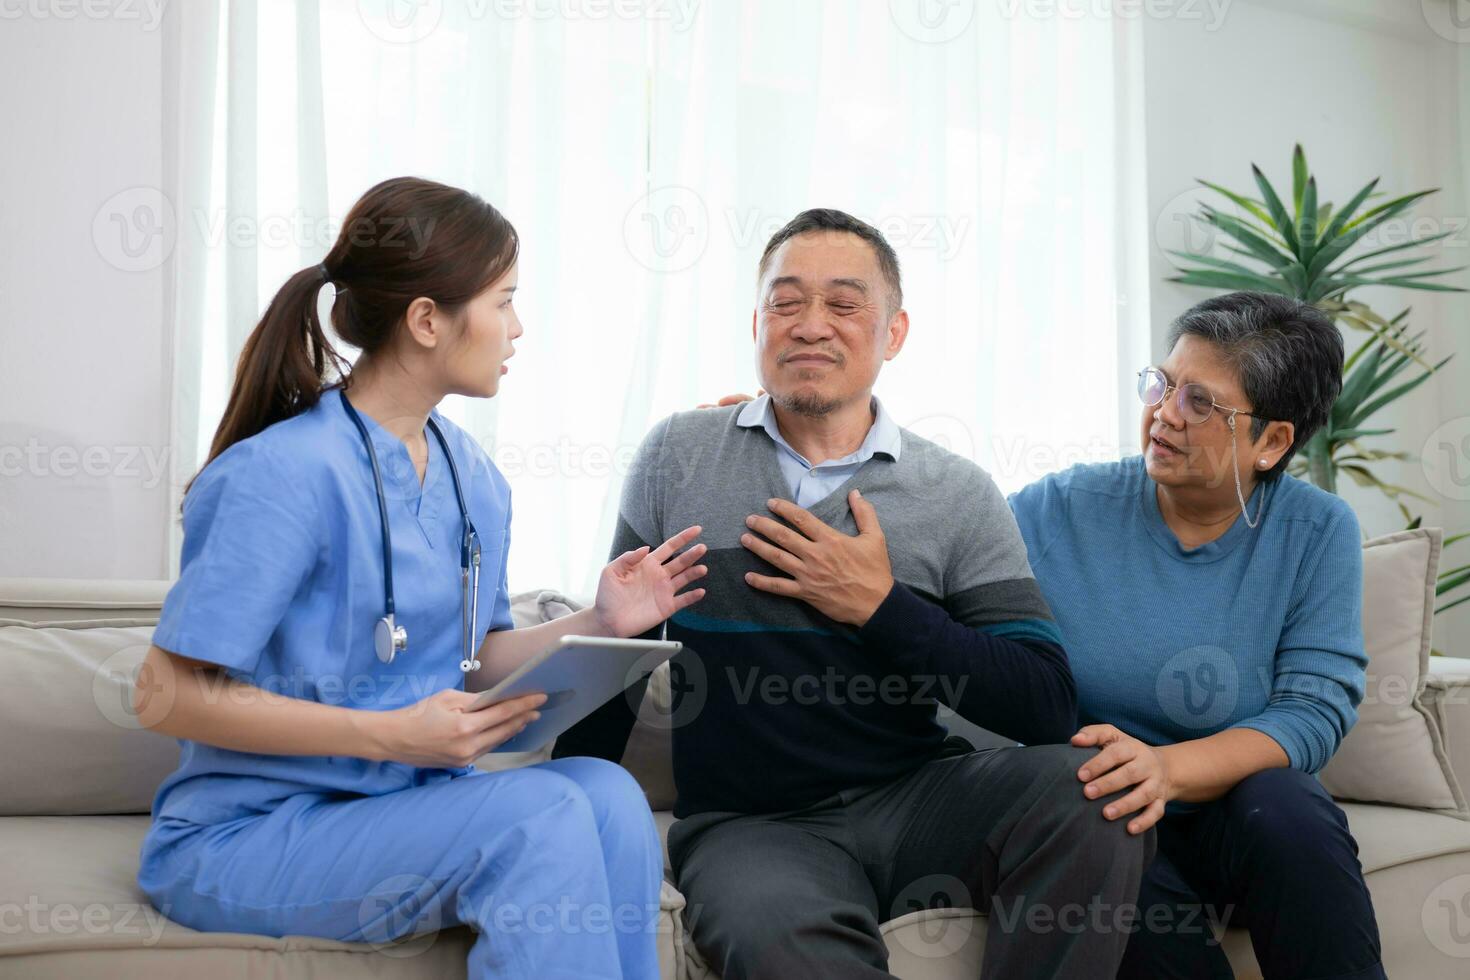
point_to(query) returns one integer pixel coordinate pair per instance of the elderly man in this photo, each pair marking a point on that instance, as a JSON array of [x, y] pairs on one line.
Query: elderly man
[[818, 794]]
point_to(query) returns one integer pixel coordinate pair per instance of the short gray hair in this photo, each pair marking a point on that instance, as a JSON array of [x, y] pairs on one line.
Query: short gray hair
[[1288, 356]]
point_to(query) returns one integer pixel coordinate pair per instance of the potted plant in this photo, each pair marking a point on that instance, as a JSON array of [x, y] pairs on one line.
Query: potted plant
[[1310, 253]]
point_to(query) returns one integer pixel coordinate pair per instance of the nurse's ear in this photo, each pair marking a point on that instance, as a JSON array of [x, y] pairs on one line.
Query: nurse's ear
[[427, 323]]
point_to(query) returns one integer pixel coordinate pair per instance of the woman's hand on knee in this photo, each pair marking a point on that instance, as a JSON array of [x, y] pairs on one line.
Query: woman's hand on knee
[[442, 730], [1123, 761]]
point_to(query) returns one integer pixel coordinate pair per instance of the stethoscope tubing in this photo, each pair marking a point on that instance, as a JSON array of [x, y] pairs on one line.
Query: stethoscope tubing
[[469, 549]]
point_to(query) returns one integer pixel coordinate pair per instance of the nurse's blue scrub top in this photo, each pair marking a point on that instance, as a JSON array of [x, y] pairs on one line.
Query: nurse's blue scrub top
[[281, 583]]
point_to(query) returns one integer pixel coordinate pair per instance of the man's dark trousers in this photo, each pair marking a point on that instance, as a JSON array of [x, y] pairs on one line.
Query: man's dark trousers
[[1007, 831]]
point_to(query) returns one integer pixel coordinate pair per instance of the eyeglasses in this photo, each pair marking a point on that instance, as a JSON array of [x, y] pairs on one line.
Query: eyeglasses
[[1195, 402]]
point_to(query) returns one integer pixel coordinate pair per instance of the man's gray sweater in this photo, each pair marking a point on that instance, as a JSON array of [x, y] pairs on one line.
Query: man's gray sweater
[[777, 705]]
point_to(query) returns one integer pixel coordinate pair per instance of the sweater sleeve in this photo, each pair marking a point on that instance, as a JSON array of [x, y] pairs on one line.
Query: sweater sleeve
[[991, 635], [1320, 662]]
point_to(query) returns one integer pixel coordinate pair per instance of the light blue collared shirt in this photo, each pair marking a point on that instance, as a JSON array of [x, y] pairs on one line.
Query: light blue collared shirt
[[809, 483]]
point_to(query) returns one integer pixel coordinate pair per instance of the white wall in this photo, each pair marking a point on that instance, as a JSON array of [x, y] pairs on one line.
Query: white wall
[[83, 393], [1369, 89]]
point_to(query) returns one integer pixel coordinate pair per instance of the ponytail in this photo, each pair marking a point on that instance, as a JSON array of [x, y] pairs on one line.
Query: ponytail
[[283, 365], [405, 238]]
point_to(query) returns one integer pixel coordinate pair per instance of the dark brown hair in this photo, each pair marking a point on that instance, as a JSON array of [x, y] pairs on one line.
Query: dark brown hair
[[405, 238]]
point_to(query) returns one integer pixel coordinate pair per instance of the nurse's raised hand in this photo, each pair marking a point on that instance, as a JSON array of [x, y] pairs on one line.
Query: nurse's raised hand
[[640, 588], [441, 730]]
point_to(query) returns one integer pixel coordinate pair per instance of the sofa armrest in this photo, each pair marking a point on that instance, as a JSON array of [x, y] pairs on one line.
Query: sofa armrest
[[1447, 691]]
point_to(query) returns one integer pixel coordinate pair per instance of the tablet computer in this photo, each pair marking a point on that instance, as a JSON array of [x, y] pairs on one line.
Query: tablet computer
[[578, 675]]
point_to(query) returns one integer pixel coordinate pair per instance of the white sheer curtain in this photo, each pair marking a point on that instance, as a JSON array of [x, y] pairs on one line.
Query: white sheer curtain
[[645, 160]]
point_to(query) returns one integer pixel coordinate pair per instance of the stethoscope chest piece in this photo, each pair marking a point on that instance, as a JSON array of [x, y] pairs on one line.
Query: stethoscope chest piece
[[389, 638]]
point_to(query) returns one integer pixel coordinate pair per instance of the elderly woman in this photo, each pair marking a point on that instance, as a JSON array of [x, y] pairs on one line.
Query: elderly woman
[[1210, 606]]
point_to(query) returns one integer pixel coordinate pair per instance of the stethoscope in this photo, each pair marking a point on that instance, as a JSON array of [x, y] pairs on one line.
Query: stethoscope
[[388, 636]]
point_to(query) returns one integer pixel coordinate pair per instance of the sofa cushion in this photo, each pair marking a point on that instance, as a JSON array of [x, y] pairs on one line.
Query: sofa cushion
[[72, 907], [72, 742], [1448, 693], [1390, 836], [1396, 751], [71, 648], [110, 602]]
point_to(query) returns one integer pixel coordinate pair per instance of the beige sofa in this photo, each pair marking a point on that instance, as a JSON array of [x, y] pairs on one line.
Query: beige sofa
[[77, 776]]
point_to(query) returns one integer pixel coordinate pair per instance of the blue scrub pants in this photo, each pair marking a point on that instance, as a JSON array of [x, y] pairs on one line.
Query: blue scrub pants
[[557, 867]]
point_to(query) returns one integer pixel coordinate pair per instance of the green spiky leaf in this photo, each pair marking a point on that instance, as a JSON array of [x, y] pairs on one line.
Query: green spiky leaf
[[1274, 207]]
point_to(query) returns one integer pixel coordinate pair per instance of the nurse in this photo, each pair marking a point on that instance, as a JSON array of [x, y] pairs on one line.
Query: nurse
[[321, 790]]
